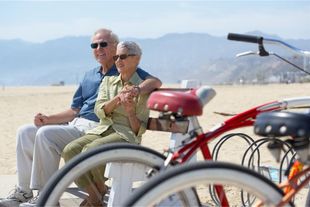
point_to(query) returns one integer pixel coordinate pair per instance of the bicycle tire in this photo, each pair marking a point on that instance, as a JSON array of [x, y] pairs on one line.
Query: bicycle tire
[[221, 173], [117, 152]]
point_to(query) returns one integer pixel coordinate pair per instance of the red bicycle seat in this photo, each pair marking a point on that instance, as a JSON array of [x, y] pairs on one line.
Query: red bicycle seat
[[185, 103]]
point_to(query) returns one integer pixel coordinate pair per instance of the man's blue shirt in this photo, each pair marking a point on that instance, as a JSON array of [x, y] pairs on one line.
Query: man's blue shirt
[[86, 94]]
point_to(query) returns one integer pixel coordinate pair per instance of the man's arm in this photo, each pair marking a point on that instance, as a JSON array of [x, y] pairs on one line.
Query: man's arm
[[145, 87], [149, 84], [59, 118]]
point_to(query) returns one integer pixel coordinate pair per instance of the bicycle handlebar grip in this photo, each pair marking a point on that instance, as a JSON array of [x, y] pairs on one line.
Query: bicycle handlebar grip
[[245, 38]]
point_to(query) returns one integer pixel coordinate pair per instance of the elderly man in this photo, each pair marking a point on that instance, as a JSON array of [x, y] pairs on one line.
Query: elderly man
[[39, 145]]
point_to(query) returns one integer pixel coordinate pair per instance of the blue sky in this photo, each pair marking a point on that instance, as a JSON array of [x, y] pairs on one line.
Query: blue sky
[[38, 21]]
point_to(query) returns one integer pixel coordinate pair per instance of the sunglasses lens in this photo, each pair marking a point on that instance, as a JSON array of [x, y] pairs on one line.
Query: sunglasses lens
[[94, 45], [123, 56], [101, 44], [115, 57]]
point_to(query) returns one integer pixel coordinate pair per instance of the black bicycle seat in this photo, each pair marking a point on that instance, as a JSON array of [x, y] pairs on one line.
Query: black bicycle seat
[[278, 124]]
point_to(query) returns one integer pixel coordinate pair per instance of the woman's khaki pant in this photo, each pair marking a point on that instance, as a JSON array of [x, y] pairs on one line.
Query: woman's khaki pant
[[85, 143]]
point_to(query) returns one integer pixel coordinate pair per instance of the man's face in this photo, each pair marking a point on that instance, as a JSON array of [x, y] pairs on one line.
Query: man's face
[[103, 48]]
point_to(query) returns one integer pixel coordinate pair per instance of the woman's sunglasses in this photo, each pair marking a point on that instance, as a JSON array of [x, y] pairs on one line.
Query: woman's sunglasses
[[122, 57], [100, 44]]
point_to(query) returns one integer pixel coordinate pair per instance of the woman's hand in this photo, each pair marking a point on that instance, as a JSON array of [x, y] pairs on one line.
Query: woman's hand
[[128, 102], [127, 99]]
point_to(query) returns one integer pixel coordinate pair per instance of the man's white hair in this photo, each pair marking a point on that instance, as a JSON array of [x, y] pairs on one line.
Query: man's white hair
[[113, 36]]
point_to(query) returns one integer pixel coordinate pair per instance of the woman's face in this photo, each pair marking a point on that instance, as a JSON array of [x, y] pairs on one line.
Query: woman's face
[[125, 62]]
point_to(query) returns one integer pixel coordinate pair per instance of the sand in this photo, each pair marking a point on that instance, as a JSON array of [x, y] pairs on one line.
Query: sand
[[18, 105]]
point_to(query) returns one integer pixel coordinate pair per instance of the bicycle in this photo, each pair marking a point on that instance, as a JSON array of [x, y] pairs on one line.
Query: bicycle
[[248, 182], [176, 108]]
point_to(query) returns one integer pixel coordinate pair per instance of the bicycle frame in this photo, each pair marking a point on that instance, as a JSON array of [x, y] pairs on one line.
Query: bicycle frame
[[244, 119]]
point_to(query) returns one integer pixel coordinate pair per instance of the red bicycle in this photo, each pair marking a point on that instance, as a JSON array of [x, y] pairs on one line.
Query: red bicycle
[[252, 188]]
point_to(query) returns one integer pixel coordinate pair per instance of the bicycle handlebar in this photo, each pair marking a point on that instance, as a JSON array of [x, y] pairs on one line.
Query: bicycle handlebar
[[260, 40], [245, 38]]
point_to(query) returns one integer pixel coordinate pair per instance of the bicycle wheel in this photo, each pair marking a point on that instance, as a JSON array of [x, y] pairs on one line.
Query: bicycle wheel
[[239, 183], [56, 190]]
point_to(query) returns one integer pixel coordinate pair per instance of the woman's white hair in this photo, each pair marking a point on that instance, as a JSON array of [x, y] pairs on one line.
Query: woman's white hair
[[132, 47]]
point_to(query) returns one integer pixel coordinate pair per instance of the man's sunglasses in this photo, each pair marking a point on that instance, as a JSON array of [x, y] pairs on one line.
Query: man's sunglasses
[[101, 44], [122, 57]]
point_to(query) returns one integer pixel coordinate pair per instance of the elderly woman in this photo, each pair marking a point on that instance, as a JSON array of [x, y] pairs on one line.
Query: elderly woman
[[123, 117]]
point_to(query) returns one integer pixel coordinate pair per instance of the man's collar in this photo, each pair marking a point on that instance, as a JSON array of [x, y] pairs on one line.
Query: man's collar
[[98, 69], [111, 71]]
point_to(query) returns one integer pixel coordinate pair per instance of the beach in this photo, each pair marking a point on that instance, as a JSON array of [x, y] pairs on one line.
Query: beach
[[18, 106]]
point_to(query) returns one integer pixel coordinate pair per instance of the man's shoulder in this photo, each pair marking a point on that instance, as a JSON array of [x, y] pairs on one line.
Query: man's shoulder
[[94, 70], [92, 74], [142, 73], [139, 70]]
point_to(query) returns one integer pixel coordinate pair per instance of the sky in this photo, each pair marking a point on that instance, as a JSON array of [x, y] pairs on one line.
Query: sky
[[39, 21]]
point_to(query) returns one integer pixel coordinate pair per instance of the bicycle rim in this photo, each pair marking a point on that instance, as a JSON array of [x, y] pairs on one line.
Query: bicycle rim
[[239, 184]]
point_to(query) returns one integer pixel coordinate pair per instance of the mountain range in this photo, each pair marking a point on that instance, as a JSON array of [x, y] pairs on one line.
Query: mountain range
[[172, 57]]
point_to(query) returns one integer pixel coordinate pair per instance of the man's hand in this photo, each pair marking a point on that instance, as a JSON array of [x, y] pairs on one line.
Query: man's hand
[[40, 120]]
